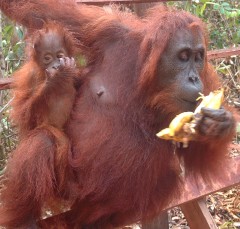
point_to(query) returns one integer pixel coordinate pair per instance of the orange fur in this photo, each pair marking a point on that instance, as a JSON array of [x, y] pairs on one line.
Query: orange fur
[[40, 108], [123, 172]]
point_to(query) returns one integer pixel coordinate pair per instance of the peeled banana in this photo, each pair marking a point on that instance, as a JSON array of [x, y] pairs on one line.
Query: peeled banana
[[177, 123], [165, 134], [182, 127], [213, 100]]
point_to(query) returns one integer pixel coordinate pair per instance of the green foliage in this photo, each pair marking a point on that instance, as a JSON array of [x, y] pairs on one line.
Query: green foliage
[[81, 60], [222, 17], [12, 46]]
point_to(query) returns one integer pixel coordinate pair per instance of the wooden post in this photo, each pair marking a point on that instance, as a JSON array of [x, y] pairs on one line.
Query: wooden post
[[161, 222], [197, 215]]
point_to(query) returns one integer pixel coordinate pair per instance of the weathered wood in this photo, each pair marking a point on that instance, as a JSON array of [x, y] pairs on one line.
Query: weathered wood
[[222, 53], [191, 192], [5, 83], [228, 180], [160, 222], [96, 2], [197, 215]]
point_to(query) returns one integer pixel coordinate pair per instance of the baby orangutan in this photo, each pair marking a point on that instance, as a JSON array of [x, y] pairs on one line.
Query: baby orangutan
[[44, 92], [44, 87]]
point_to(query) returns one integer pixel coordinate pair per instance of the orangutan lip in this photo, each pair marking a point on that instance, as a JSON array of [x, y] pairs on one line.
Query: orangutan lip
[[192, 104], [188, 101]]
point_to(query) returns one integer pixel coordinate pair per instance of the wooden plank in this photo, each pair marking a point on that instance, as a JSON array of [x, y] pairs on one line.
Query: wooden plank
[[5, 83], [198, 215], [191, 192], [228, 180], [222, 53], [100, 2]]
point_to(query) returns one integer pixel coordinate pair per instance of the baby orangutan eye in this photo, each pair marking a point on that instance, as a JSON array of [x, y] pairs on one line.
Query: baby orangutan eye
[[60, 55], [47, 59]]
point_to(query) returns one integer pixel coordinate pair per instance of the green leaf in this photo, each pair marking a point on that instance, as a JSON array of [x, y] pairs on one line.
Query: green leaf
[[8, 30], [4, 43], [222, 10], [203, 8], [216, 6], [81, 60], [10, 56], [19, 32], [226, 5], [236, 37]]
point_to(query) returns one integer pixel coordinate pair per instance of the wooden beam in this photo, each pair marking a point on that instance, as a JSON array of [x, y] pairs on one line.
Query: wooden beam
[[223, 53], [100, 2], [191, 192], [198, 215], [228, 180], [5, 83]]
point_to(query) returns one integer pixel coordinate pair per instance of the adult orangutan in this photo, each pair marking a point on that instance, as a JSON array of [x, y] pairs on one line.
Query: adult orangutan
[[140, 74]]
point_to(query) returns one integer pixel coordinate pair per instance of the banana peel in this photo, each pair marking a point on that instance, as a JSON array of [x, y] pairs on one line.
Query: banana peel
[[213, 100], [182, 127]]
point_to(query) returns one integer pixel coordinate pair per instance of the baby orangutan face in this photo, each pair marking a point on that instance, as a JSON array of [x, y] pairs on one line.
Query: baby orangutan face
[[51, 48]]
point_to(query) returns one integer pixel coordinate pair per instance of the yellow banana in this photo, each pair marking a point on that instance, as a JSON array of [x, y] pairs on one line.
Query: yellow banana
[[213, 100], [204, 102], [178, 122], [181, 137], [182, 127], [164, 134], [217, 100]]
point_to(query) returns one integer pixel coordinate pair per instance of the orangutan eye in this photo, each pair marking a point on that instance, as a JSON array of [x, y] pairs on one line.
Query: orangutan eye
[[199, 56], [184, 55], [47, 58], [60, 55]]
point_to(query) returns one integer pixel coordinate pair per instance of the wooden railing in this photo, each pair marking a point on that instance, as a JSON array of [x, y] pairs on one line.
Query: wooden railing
[[223, 53], [97, 2]]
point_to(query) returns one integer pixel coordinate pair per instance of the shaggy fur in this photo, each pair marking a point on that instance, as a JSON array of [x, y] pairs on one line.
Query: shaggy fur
[[123, 172]]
